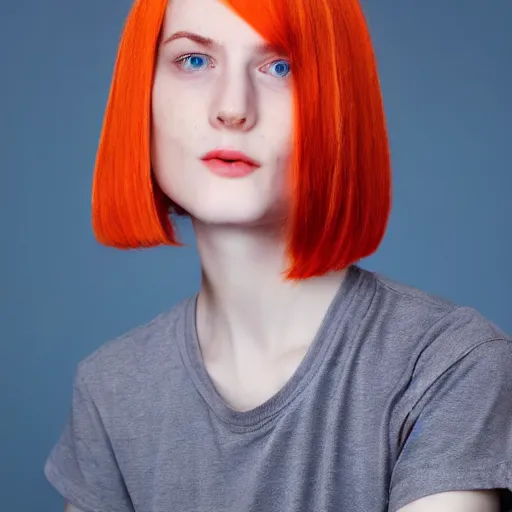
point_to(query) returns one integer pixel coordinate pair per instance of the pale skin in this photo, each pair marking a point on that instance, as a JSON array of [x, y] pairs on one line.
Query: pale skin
[[254, 328], [230, 92]]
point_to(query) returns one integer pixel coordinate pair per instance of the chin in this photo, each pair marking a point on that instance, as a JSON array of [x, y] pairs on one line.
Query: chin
[[234, 213], [229, 216]]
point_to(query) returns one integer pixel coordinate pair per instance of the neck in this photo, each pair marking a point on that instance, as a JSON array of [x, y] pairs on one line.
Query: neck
[[244, 298]]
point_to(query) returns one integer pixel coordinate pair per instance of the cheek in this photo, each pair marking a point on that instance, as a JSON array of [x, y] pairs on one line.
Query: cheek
[[279, 133], [279, 126], [178, 110], [175, 129], [173, 120], [169, 129]]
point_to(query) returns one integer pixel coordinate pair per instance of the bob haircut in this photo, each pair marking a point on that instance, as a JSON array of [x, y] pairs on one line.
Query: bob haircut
[[340, 173]]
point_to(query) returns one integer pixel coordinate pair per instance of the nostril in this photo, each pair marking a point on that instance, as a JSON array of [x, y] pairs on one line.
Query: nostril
[[230, 120]]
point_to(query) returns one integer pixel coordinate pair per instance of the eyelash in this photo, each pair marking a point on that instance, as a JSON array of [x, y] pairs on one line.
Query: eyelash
[[181, 60]]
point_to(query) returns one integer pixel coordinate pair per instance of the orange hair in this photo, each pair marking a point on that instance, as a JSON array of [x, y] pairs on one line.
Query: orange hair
[[341, 172]]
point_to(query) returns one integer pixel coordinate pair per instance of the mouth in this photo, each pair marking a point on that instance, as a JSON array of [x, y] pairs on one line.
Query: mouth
[[229, 163]]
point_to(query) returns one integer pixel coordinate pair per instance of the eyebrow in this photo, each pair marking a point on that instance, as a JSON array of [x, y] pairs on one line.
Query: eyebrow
[[209, 43], [205, 41]]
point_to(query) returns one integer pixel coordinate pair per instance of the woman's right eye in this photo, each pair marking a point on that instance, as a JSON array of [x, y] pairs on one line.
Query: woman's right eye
[[193, 62]]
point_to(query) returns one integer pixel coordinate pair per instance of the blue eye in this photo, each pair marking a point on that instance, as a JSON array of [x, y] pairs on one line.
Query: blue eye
[[194, 62], [280, 68]]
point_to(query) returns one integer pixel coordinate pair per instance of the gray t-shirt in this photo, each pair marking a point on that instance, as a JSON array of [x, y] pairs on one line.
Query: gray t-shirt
[[400, 395]]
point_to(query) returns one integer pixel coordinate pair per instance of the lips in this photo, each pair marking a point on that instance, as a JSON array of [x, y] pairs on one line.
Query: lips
[[229, 163]]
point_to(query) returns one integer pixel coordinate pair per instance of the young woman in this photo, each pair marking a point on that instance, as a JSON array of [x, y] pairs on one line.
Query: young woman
[[294, 381]]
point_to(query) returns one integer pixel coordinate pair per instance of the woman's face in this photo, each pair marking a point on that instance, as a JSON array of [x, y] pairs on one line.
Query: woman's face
[[218, 86]]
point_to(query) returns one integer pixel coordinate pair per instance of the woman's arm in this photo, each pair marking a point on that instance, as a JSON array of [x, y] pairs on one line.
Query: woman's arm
[[455, 501]]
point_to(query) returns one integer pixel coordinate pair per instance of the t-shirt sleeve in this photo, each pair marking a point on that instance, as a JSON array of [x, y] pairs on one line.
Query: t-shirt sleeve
[[82, 465], [461, 434]]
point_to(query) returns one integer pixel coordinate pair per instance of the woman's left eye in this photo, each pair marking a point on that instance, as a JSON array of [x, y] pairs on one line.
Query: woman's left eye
[[279, 68], [194, 62]]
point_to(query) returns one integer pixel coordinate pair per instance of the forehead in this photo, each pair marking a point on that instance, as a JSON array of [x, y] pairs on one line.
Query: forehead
[[209, 18]]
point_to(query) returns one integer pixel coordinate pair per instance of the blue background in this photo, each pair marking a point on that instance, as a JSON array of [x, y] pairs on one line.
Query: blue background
[[446, 72]]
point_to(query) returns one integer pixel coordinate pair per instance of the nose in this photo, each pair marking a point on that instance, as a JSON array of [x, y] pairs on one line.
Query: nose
[[231, 120], [234, 105]]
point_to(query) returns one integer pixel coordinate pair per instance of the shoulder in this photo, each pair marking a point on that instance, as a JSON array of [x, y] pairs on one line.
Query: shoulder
[[136, 356], [431, 332], [430, 315]]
